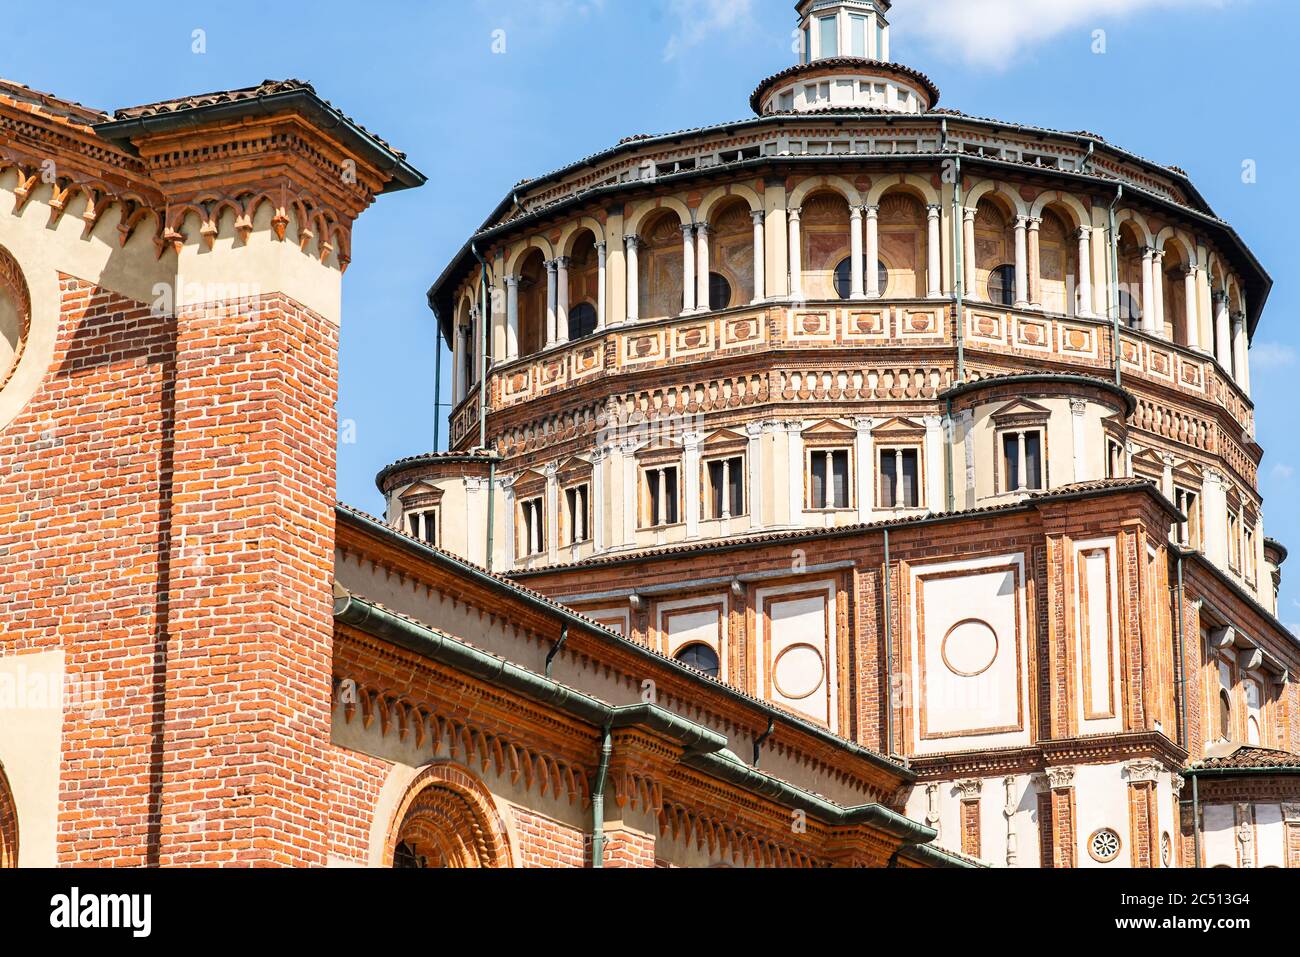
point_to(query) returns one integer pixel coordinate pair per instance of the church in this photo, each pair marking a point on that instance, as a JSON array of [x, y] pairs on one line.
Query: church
[[860, 483]]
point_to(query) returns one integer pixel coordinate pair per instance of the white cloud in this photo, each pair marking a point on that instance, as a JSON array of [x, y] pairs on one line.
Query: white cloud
[[1271, 355], [1283, 471], [992, 32], [699, 20]]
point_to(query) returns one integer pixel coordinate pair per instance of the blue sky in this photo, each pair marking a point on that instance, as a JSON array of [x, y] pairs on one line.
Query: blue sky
[[1203, 84]]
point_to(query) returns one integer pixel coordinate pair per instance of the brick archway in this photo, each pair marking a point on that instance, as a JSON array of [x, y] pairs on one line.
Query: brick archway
[[8, 825], [447, 819]]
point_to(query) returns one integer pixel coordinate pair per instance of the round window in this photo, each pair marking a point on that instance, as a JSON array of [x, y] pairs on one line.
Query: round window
[[844, 278], [1104, 845], [1002, 285], [719, 291]]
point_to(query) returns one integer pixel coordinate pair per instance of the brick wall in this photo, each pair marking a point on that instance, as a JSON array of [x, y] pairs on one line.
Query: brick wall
[[167, 522], [545, 842]]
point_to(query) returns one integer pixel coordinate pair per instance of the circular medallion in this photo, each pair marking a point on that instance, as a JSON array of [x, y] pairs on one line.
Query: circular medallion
[[798, 672], [970, 648]]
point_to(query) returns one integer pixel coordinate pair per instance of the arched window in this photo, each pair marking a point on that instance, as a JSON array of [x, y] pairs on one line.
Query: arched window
[[719, 291], [582, 321], [1225, 715], [844, 278], [15, 315], [448, 819], [1002, 285], [1130, 310], [700, 657]]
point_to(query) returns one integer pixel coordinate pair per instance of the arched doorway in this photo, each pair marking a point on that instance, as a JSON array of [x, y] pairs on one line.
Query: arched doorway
[[8, 825], [447, 819]]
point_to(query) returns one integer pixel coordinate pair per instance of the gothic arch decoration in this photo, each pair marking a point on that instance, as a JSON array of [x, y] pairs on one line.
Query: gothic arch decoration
[[8, 825], [15, 315], [447, 819]]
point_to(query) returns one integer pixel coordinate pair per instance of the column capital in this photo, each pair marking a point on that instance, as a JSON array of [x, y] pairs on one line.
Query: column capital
[[1059, 778], [632, 240], [969, 789], [754, 429], [1078, 406], [794, 212], [1022, 222], [1035, 222], [758, 215], [934, 209], [872, 210], [688, 229], [855, 212], [563, 262], [552, 265], [1158, 254], [1143, 770], [601, 245], [703, 229], [1148, 252], [1083, 232], [968, 214], [512, 281]]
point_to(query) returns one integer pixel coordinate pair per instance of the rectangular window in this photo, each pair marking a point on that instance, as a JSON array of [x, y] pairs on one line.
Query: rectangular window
[[424, 526], [830, 37], [577, 500], [829, 478], [1234, 540], [1189, 503], [1248, 557], [726, 487], [1022, 461], [1115, 467], [532, 527], [900, 485], [661, 500], [859, 27]]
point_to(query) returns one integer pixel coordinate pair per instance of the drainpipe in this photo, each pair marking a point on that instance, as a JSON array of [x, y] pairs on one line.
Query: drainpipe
[[888, 696], [598, 798], [1180, 676], [1196, 819], [1114, 283], [762, 739], [959, 258], [947, 455], [437, 382], [486, 319], [555, 649]]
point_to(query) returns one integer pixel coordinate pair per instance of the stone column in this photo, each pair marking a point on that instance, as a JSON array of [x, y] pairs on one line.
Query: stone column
[[1148, 292], [1214, 515], [864, 453], [796, 255], [633, 278], [631, 505], [1222, 332], [599, 456], [855, 253], [933, 247], [551, 522], [754, 480], [1239, 347], [1084, 279], [1009, 809], [1022, 262], [458, 341], [691, 470], [1079, 435], [931, 466], [794, 447], [688, 268], [1158, 292], [1144, 836], [1035, 263], [704, 270], [552, 301], [873, 252], [968, 257], [602, 279], [1191, 307], [760, 257], [562, 299], [512, 317]]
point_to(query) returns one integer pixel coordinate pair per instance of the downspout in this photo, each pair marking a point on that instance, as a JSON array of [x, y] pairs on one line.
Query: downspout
[[959, 255], [485, 315], [762, 739], [1180, 675], [1196, 819], [1114, 283], [437, 385], [888, 696], [555, 649], [598, 798]]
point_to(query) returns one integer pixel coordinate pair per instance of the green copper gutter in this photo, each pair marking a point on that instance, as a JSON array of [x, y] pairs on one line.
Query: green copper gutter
[[704, 749]]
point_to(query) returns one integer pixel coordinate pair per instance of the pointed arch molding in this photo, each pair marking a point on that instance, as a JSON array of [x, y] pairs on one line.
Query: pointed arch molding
[[449, 808], [8, 824]]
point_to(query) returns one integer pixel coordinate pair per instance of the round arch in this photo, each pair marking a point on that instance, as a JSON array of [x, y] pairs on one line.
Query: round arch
[[1138, 223], [1013, 203], [1067, 206], [519, 252], [8, 825], [573, 232], [835, 184], [647, 211], [447, 818], [915, 186], [716, 198]]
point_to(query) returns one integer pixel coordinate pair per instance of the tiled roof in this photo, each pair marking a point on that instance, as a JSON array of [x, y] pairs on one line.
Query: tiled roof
[[769, 538], [264, 89], [874, 67], [50, 104], [1249, 758]]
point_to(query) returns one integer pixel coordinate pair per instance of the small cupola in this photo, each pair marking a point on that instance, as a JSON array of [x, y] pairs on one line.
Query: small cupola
[[844, 28], [844, 65]]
